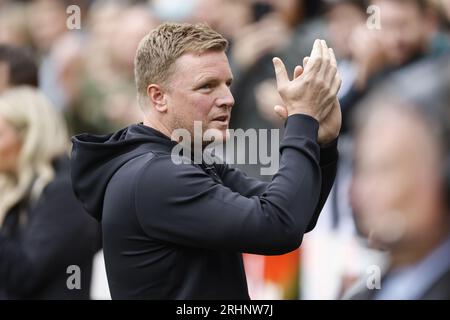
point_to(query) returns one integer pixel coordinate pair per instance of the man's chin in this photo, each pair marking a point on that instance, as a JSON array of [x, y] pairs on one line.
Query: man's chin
[[216, 135]]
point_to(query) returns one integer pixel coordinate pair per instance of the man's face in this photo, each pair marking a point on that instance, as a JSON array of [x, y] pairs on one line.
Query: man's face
[[199, 90], [396, 186], [403, 31]]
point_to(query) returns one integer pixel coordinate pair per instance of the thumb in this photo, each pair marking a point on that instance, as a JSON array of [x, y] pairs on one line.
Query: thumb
[[305, 61], [281, 111], [280, 72]]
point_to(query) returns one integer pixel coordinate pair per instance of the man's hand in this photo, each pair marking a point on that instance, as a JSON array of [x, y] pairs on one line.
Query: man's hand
[[314, 91], [367, 54], [329, 128], [330, 125], [254, 41]]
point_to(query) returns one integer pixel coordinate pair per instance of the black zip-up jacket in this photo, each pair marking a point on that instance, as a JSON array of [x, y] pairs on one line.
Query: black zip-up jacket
[[177, 231]]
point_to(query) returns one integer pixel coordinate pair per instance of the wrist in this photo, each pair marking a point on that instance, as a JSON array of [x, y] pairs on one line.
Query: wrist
[[326, 141], [303, 112]]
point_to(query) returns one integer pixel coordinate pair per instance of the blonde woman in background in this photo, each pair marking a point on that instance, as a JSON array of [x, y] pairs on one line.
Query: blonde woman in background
[[43, 228]]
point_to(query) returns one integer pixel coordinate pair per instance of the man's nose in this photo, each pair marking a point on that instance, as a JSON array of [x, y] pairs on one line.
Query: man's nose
[[226, 98]]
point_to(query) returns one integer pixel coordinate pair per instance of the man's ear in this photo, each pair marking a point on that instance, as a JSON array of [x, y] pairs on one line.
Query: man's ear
[[157, 97]]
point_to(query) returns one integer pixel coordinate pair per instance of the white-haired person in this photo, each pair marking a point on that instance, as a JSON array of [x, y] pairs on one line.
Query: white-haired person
[[47, 242]]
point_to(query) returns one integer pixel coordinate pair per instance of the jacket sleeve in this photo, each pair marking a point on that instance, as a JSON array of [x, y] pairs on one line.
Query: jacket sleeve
[[58, 234], [328, 167], [183, 205], [239, 182]]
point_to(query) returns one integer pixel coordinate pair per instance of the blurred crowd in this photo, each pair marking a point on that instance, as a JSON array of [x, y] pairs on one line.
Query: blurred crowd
[[389, 207]]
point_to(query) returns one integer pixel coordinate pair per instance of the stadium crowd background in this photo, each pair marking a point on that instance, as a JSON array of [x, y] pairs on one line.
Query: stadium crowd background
[[87, 75]]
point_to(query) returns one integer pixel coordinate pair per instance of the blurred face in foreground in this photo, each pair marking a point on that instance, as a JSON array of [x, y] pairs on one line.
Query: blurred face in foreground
[[199, 90], [396, 190]]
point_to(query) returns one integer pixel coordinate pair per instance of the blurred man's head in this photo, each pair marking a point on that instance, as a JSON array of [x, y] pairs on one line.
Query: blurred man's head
[[398, 191], [131, 25], [342, 17], [405, 27], [17, 67], [47, 22], [182, 75]]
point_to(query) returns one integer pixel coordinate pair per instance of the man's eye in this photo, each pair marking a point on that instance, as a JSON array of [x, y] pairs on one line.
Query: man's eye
[[206, 86]]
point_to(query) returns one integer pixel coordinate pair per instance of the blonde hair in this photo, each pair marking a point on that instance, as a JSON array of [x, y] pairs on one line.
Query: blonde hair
[[43, 137], [159, 49]]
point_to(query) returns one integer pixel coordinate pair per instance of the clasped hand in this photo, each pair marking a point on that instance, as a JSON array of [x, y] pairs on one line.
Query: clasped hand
[[312, 91]]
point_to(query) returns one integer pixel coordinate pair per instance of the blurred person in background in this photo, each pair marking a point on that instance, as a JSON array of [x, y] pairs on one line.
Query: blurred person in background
[[106, 99], [13, 24], [241, 12], [46, 21], [17, 67], [121, 106], [406, 35], [334, 256], [43, 228], [400, 190], [342, 18], [269, 32], [86, 112], [59, 49]]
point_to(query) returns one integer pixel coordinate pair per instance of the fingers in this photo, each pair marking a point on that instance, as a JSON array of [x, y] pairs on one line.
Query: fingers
[[316, 51], [336, 85], [332, 70], [333, 60], [316, 58], [325, 111], [334, 74], [325, 65], [328, 65], [324, 50], [298, 71], [314, 87], [280, 73], [305, 61]]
